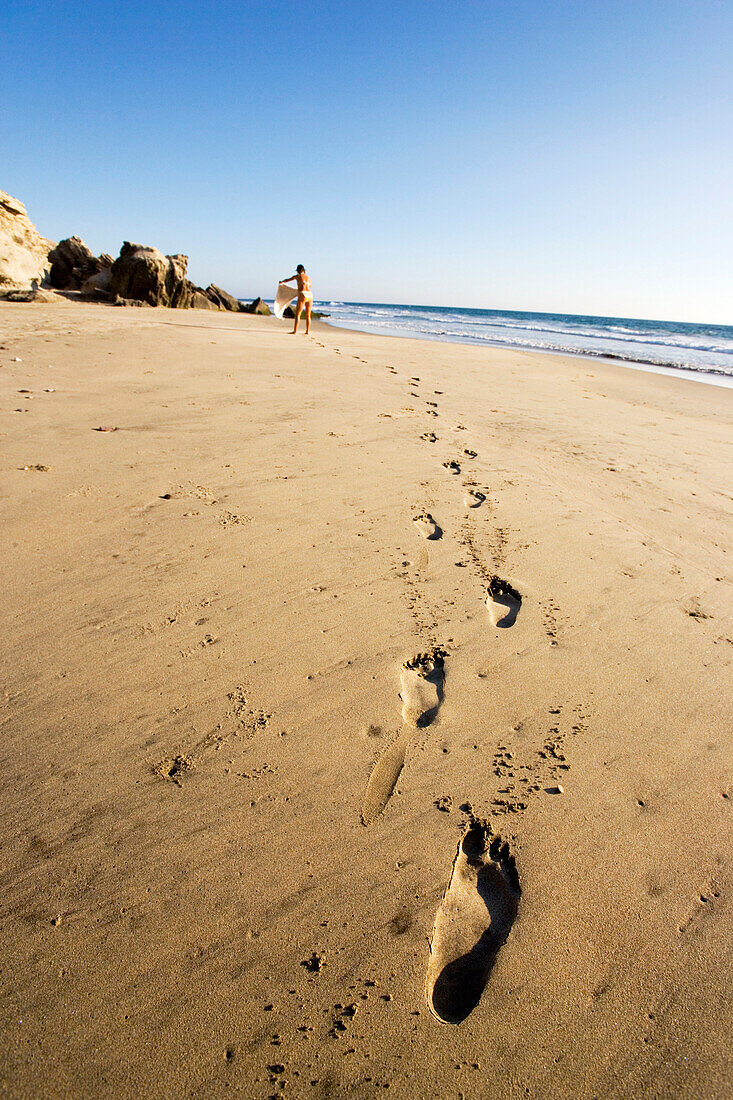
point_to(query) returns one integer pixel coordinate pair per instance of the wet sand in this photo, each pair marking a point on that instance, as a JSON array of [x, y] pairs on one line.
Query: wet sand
[[366, 719]]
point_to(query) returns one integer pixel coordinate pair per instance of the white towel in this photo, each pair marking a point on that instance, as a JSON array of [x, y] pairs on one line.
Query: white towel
[[285, 295]]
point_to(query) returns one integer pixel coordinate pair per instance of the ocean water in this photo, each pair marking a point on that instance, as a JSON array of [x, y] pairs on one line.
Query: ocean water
[[701, 351]]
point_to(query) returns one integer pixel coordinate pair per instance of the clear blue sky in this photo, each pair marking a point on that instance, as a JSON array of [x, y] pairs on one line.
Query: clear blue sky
[[573, 156]]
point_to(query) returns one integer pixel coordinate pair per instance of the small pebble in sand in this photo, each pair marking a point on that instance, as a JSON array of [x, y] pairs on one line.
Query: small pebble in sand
[[16, 360], [50, 389], [55, 921], [314, 964]]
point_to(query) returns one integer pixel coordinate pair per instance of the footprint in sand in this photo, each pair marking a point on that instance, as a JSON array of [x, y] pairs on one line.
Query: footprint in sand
[[473, 498], [471, 925], [429, 437], [422, 680], [503, 602], [453, 467], [422, 691], [427, 526], [383, 779]]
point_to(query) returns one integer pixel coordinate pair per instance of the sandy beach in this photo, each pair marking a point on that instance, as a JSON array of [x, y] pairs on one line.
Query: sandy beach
[[287, 806]]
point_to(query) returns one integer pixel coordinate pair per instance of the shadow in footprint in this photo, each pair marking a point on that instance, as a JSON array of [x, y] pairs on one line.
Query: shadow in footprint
[[422, 679], [474, 498], [427, 526], [471, 925], [503, 602]]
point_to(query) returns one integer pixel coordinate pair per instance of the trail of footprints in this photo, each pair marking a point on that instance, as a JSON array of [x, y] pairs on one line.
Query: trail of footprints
[[481, 900]]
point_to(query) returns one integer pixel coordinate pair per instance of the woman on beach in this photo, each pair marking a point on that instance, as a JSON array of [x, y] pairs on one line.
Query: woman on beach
[[305, 298]]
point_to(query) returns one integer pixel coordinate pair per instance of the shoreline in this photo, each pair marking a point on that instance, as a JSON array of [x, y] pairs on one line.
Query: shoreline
[[256, 699], [709, 377]]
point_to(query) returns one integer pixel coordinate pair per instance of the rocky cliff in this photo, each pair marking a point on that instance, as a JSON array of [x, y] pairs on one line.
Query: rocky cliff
[[24, 252], [139, 276]]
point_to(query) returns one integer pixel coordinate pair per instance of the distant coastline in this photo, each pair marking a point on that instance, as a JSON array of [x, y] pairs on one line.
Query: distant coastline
[[702, 352]]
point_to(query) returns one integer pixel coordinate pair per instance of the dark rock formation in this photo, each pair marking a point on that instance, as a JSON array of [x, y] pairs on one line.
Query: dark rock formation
[[130, 302], [72, 264], [36, 294], [139, 275], [201, 300], [223, 300], [146, 275], [97, 286], [258, 306], [290, 312]]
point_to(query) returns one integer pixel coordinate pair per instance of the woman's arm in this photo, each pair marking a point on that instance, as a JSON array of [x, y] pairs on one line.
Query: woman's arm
[[289, 280]]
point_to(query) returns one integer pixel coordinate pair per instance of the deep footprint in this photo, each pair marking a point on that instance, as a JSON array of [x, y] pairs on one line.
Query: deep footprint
[[453, 467], [503, 602], [473, 498], [427, 526], [471, 925], [382, 781], [422, 680]]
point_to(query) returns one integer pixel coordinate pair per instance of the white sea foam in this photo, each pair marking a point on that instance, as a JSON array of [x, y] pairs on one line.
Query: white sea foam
[[704, 349]]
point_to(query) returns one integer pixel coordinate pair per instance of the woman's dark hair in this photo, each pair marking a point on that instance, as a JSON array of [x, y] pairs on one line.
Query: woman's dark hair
[[300, 268]]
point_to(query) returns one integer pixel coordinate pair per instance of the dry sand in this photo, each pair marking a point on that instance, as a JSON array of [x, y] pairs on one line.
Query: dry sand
[[255, 703]]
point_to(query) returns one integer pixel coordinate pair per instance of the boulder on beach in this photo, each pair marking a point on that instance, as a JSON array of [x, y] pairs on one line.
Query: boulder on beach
[[73, 264], [34, 294], [145, 275], [222, 299], [133, 302], [290, 312], [258, 306], [24, 261], [140, 275], [97, 286], [201, 300]]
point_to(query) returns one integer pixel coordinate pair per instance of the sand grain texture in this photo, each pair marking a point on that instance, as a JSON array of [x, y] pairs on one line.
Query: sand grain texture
[[208, 614]]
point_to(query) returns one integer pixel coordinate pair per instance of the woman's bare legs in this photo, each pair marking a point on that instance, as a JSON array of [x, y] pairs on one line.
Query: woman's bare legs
[[298, 311], [308, 308]]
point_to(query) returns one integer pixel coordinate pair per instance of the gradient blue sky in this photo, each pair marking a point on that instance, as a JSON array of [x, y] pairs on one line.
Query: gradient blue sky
[[573, 157]]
